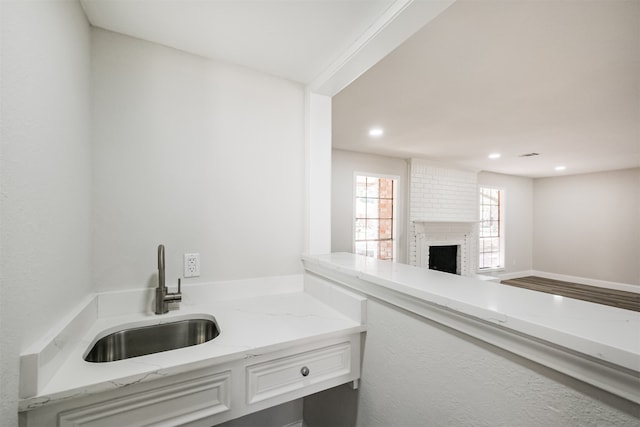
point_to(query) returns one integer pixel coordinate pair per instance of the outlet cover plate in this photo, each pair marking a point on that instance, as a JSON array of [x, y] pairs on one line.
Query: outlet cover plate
[[191, 265]]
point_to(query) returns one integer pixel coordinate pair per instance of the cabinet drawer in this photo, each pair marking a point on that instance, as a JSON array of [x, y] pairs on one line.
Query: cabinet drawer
[[275, 377], [174, 404]]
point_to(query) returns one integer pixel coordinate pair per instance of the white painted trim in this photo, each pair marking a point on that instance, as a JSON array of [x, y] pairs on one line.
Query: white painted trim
[[513, 275], [399, 22]]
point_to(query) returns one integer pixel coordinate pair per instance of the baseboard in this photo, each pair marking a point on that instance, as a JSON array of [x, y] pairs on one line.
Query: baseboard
[[586, 281], [513, 275]]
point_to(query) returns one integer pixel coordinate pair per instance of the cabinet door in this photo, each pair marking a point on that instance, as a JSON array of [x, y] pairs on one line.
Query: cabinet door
[[170, 405]]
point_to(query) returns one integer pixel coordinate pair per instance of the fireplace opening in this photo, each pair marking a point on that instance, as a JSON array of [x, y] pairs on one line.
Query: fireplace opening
[[444, 258]]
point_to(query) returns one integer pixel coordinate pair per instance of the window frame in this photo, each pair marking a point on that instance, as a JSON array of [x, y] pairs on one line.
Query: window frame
[[501, 229], [394, 218]]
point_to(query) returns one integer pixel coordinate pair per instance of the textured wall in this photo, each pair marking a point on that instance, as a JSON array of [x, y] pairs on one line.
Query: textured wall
[[46, 176], [416, 373]]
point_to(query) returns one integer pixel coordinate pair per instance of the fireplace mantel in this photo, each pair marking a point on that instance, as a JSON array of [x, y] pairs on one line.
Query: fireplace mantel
[[443, 233]]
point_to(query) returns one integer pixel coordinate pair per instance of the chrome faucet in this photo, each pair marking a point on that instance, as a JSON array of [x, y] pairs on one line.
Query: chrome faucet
[[163, 296]]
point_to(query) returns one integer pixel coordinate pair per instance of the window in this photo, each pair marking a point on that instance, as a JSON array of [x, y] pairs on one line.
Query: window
[[491, 244], [375, 199]]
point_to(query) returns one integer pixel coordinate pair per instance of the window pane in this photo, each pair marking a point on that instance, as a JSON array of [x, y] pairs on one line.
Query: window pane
[[489, 242], [385, 208], [386, 188], [385, 229], [495, 244], [361, 229], [494, 212], [374, 205], [495, 196], [485, 259], [485, 229], [494, 260], [385, 250], [372, 229], [372, 249], [372, 187], [485, 198], [372, 208], [361, 186], [486, 212], [361, 207]]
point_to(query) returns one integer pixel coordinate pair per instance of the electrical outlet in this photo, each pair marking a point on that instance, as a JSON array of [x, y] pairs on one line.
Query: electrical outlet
[[191, 265]]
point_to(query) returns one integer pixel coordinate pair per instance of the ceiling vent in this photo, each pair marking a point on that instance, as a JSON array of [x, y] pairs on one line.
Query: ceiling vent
[[529, 155]]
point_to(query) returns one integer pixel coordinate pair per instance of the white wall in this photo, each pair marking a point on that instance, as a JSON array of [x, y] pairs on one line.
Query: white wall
[[46, 177], [589, 226], [344, 164], [317, 174], [518, 218], [198, 155], [417, 373]]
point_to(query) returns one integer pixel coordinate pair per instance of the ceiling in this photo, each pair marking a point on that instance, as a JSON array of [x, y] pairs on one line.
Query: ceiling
[[296, 40], [557, 78]]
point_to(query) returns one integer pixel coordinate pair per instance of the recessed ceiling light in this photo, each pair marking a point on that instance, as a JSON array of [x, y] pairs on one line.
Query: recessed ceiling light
[[495, 155], [375, 132], [560, 168]]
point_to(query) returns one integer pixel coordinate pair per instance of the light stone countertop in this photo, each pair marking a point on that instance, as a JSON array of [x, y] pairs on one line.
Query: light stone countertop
[[249, 326], [595, 340]]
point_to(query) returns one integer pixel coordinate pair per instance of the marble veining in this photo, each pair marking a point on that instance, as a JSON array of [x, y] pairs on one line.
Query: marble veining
[[572, 336], [538, 314], [250, 326]]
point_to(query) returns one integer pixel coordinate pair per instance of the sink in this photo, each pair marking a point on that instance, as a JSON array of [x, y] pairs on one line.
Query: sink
[[142, 340]]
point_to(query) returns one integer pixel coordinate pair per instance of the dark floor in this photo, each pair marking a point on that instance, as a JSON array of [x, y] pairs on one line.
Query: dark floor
[[612, 297]]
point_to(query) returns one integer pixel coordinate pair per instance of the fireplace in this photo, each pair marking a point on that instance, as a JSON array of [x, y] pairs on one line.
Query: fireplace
[[432, 237], [444, 258]]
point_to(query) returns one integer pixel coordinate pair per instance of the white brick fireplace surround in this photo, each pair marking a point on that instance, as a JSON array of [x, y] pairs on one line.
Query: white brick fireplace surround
[[443, 210], [460, 234]]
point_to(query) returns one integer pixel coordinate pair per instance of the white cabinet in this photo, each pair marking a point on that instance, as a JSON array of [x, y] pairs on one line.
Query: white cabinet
[[276, 377], [174, 404], [216, 394]]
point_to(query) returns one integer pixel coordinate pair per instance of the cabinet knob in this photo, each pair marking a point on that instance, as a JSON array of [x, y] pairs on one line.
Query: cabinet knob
[[304, 371]]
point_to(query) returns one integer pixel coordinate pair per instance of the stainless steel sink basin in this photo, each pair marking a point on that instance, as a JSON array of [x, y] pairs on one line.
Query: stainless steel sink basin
[[138, 341]]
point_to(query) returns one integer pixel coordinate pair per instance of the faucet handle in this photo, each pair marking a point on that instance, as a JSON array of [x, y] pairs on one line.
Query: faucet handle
[[179, 285]]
